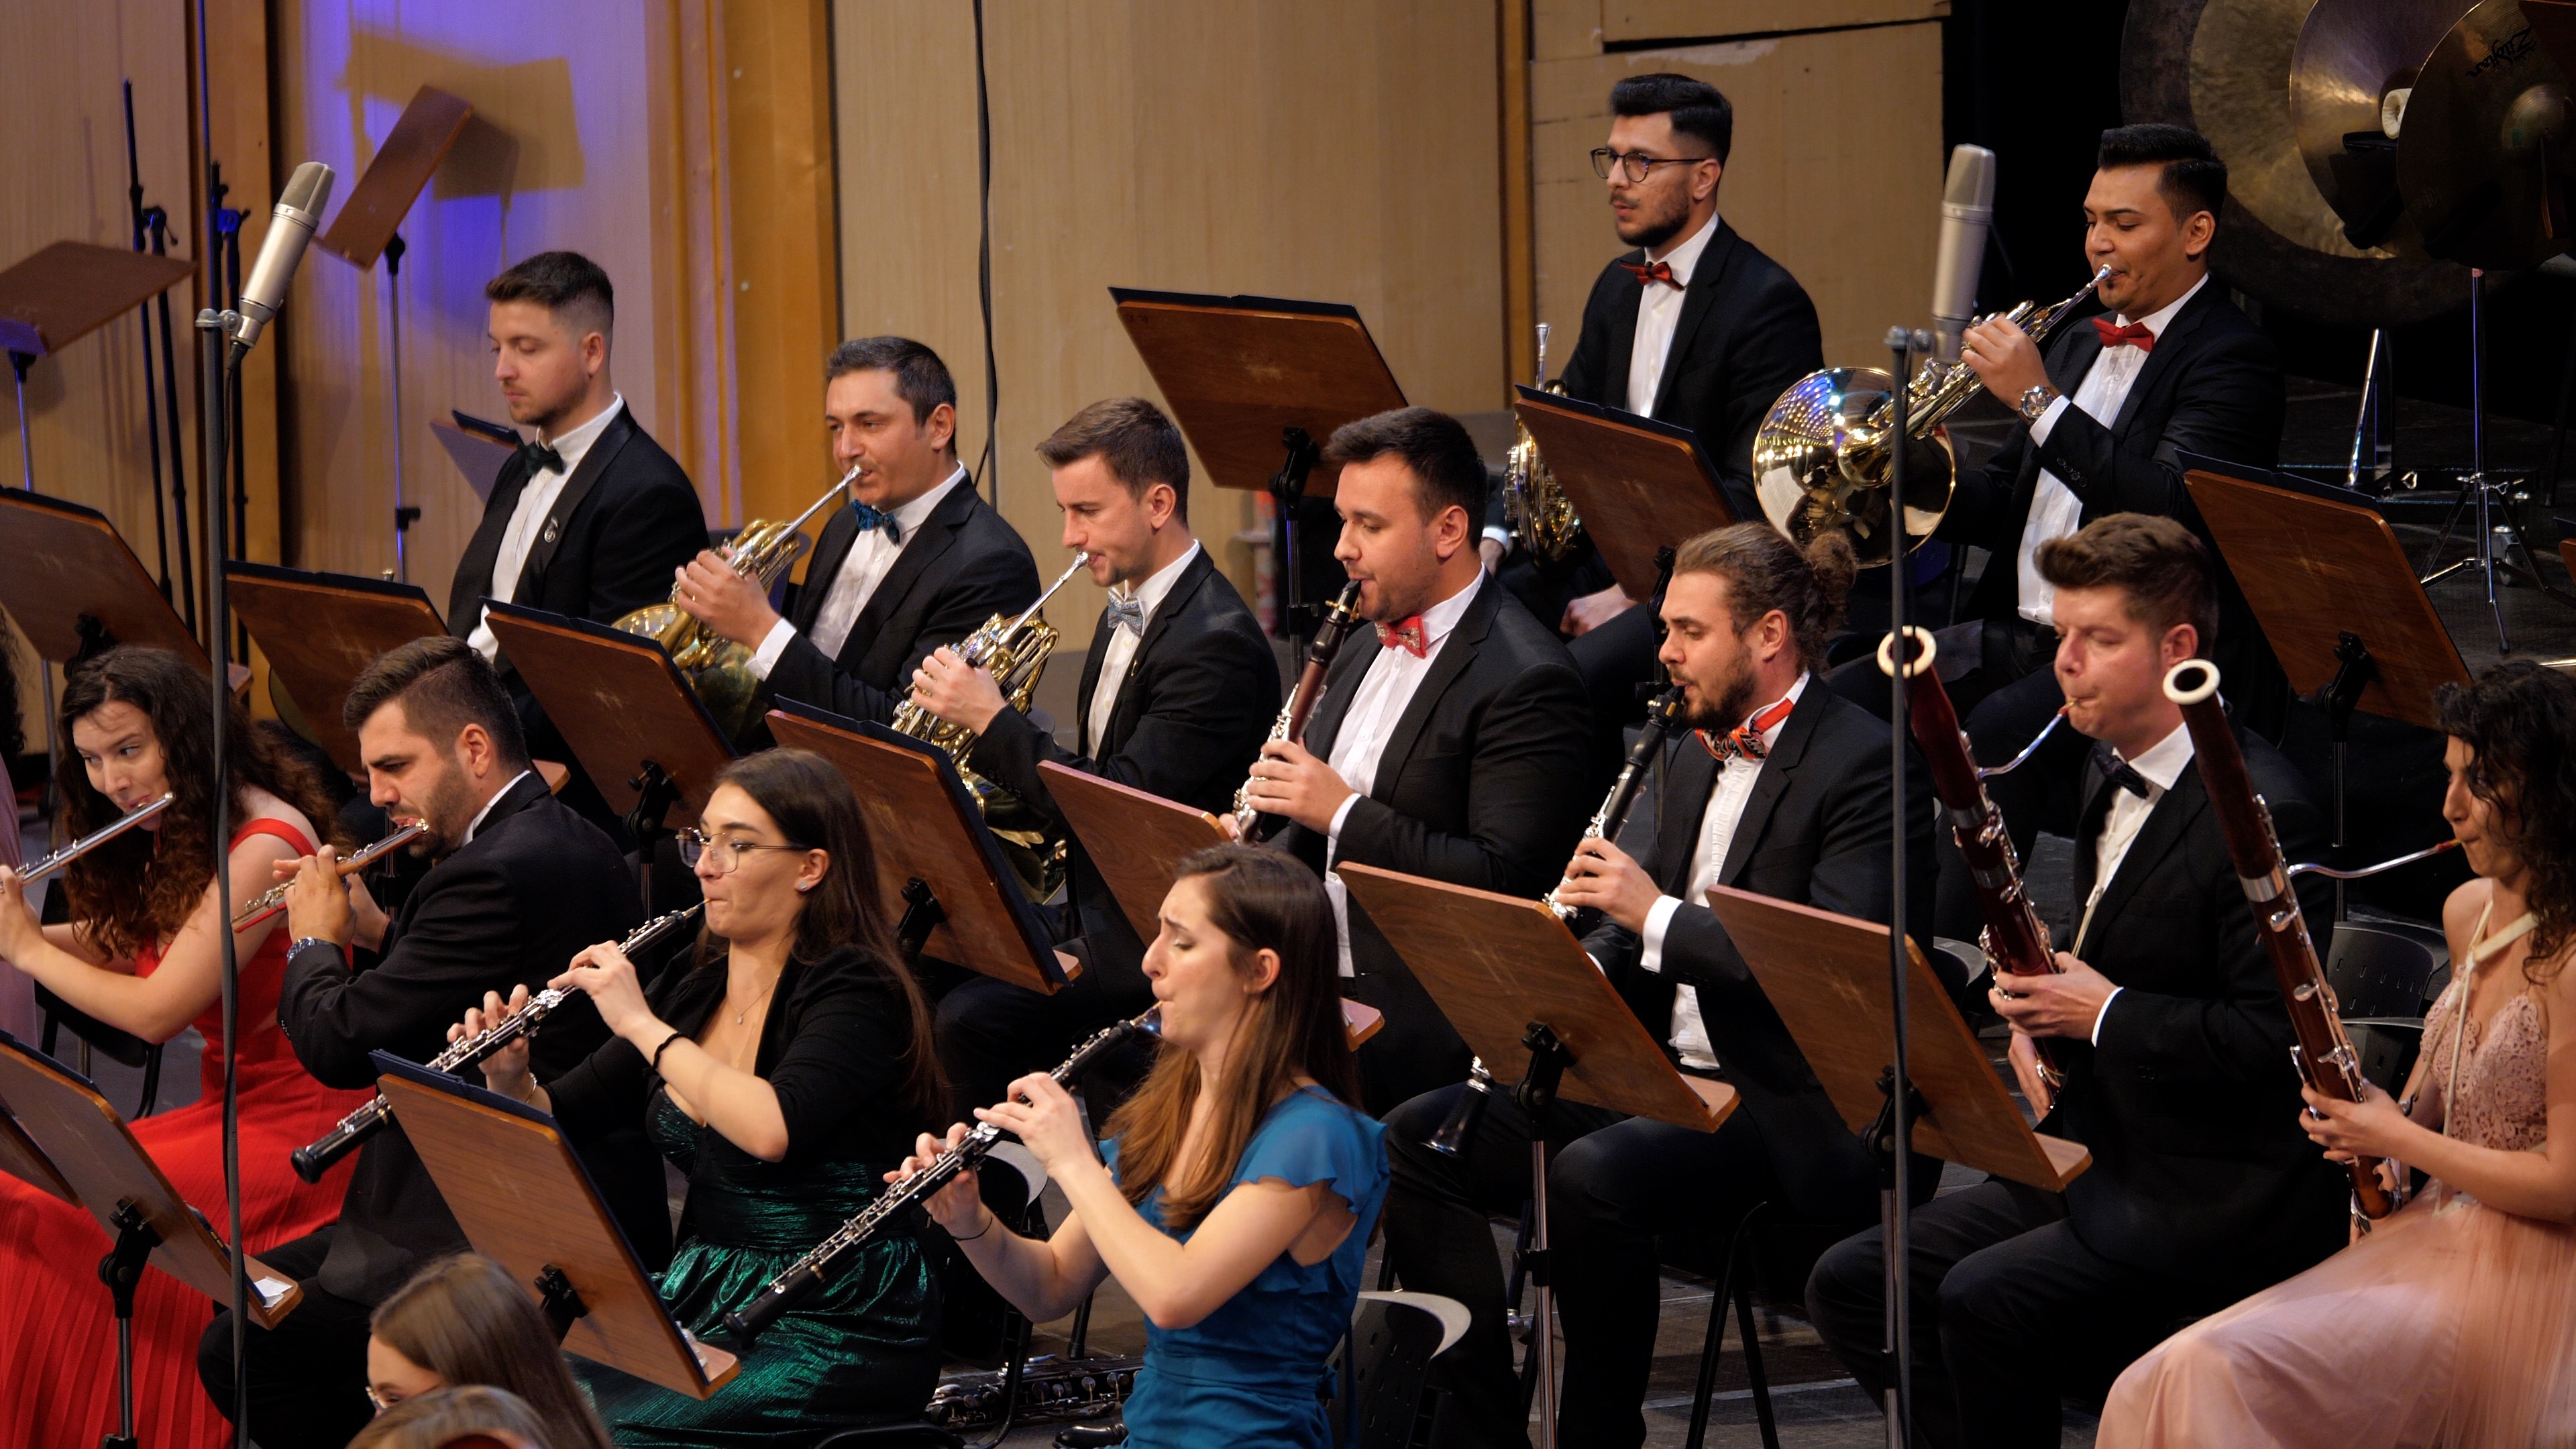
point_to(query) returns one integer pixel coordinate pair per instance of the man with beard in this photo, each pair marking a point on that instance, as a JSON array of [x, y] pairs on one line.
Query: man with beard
[[1780, 788], [521, 884]]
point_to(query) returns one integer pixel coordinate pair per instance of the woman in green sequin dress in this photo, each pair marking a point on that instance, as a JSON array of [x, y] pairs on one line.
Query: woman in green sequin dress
[[785, 1072]]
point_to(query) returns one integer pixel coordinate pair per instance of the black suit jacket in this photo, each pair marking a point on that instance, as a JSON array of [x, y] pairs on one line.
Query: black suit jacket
[[2190, 1105], [1196, 703], [1816, 831], [963, 566], [535, 885]]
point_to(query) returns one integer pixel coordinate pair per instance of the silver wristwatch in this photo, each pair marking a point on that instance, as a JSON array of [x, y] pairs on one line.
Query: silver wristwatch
[[2034, 403]]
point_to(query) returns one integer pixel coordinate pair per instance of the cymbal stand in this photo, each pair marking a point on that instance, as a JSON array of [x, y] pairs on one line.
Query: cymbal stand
[[2373, 427], [2492, 496]]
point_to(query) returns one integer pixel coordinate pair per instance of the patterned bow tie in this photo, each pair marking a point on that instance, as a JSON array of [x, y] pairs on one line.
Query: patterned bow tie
[[538, 456], [1650, 272], [1127, 612], [2118, 771], [1405, 634], [869, 518], [1744, 742], [2114, 335]]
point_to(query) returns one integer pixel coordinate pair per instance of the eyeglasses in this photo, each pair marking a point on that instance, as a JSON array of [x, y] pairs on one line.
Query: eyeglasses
[[726, 854], [1637, 165], [381, 1402]]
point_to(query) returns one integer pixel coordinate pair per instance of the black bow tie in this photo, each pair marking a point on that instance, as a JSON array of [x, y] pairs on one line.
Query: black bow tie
[[2118, 771], [538, 455]]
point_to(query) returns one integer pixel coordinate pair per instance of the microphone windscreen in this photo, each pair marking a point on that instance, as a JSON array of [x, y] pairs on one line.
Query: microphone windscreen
[[307, 191]]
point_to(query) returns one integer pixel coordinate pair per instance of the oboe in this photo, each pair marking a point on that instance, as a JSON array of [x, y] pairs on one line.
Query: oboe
[[92, 841], [315, 1158], [807, 1273], [269, 902], [1339, 620]]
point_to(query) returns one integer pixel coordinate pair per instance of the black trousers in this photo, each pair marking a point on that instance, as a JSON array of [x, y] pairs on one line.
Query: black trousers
[[308, 1375], [2011, 1313], [1415, 1050]]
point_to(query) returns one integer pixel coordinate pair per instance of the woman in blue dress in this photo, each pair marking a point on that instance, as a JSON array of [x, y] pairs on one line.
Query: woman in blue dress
[[1241, 1188]]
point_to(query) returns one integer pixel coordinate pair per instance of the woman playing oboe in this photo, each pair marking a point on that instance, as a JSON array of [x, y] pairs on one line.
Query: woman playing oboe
[[2454, 1321], [784, 1073], [1241, 1186]]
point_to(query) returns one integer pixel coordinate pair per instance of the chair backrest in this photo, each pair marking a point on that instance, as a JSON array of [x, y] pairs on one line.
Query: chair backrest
[[2381, 968], [1394, 1336]]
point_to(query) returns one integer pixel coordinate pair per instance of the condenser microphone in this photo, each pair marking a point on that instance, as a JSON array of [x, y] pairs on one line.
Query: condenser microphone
[[1967, 214], [290, 229]]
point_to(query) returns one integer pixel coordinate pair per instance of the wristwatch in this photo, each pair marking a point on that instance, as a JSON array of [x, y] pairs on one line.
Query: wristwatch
[[2034, 403]]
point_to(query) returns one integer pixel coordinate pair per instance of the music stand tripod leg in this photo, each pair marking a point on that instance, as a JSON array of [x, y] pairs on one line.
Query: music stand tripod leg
[[1287, 492], [19, 362], [121, 1270], [1536, 1093]]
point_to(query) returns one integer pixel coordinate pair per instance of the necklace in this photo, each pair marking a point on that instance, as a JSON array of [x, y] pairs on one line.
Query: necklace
[[740, 1016]]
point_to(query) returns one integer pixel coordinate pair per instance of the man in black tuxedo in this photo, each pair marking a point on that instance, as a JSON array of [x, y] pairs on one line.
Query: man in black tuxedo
[[2169, 1027], [915, 561], [1781, 788], [1178, 690], [521, 884], [1695, 327], [1443, 745]]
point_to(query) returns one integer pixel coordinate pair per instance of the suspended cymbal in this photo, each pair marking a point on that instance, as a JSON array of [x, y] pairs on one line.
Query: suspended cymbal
[[2348, 77], [2482, 152]]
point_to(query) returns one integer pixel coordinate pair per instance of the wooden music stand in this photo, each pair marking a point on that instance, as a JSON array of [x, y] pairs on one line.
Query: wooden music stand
[[632, 720], [525, 1202], [67, 577], [1238, 371], [1639, 485], [412, 150], [22, 1159], [960, 900], [320, 631], [1827, 977], [71, 288], [475, 446], [100, 1166], [1134, 838]]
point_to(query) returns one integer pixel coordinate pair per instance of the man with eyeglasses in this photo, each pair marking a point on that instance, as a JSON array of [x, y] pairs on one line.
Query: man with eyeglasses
[[1696, 327]]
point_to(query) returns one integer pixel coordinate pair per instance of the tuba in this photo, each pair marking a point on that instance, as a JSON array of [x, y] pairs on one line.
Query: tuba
[[1015, 652], [1534, 507], [1822, 457], [716, 667]]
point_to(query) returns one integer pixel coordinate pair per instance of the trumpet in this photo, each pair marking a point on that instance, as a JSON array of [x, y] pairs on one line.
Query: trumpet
[[807, 1273], [1015, 652], [315, 1158], [29, 875], [1339, 620], [269, 902]]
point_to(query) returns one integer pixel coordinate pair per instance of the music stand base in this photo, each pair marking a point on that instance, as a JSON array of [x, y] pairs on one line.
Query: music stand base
[[562, 1301], [922, 914], [121, 1270]]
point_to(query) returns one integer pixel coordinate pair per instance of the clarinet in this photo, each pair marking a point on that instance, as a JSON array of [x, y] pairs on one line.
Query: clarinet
[[2014, 938], [807, 1273], [315, 1158], [2324, 1055], [1662, 714], [1339, 621]]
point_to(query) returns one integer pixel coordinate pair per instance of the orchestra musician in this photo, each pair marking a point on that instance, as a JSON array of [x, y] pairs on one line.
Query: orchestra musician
[[1241, 1184], [1781, 790], [519, 884], [916, 560], [1178, 690], [1444, 752], [1696, 327], [2467, 1333], [786, 1125], [2168, 1025], [142, 954]]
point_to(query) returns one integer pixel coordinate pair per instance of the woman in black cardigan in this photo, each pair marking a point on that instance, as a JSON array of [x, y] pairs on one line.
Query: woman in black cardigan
[[786, 1072]]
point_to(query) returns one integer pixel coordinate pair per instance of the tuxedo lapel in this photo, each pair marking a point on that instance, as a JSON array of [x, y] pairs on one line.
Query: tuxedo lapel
[[2160, 835], [1690, 775], [474, 571], [1341, 685], [937, 535], [838, 535], [596, 462], [2171, 350], [1091, 659], [1627, 295], [1697, 299], [1122, 710], [1777, 768], [1455, 655]]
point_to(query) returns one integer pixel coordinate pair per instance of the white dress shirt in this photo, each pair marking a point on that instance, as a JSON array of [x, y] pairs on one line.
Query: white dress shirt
[[2055, 511], [477, 822], [1384, 692], [1726, 801], [870, 559], [1121, 653], [2160, 766], [536, 500], [1659, 313]]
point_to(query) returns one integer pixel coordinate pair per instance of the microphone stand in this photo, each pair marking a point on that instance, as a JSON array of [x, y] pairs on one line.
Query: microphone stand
[[1896, 1198], [151, 404]]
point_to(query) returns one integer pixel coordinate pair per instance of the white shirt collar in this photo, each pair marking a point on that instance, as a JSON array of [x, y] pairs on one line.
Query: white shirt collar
[[911, 516], [1442, 617], [2157, 320], [488, 804], [1771, 736], [1158, 585], [574, 445], [1684, 259], [2165, 760]]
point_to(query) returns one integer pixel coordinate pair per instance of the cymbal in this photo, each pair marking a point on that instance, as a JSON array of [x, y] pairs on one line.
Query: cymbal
[[2239, 53], [2351, 56], [2482, 153]]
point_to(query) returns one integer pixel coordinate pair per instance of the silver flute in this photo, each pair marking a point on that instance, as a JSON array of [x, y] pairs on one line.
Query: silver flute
[[92, 841]]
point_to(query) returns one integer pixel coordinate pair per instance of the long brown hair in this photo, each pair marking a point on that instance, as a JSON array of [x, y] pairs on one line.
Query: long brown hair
[[813, 805], [1258, 898], [2519, 721], [476, 1416], [468, 1321], [142, 885]]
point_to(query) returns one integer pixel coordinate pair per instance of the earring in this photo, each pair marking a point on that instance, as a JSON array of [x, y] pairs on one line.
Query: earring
[[802, 889]]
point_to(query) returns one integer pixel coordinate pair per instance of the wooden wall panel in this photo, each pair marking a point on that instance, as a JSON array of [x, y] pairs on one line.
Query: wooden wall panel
[[1628, 21]]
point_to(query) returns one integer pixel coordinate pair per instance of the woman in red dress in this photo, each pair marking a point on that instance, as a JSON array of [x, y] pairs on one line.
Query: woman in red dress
[[142, 955]]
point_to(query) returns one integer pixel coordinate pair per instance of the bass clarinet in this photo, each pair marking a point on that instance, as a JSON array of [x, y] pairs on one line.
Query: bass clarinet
[[807, 1273], [1339, 620], [315, 1158]]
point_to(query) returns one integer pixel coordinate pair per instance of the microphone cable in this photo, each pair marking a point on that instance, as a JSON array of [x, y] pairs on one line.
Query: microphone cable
[[984, 265]]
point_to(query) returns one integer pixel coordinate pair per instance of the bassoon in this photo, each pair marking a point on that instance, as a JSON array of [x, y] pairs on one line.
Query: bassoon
[[1339, 621]]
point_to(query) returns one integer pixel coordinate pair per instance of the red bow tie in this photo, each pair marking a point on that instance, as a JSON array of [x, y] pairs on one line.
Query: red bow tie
[[1404, 634], [1646, 272], [1744, 742], [2134, 335]]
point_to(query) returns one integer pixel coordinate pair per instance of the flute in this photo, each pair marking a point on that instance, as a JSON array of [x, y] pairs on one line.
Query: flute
[[269, 902], [315, 1158], [92, 841]]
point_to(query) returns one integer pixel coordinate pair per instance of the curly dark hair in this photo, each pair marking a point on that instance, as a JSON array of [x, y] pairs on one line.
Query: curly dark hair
[[2519, 722], [141, 886]]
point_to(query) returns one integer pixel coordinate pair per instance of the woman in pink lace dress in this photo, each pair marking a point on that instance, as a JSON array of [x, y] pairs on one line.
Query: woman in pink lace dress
[[2453, 1322]]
